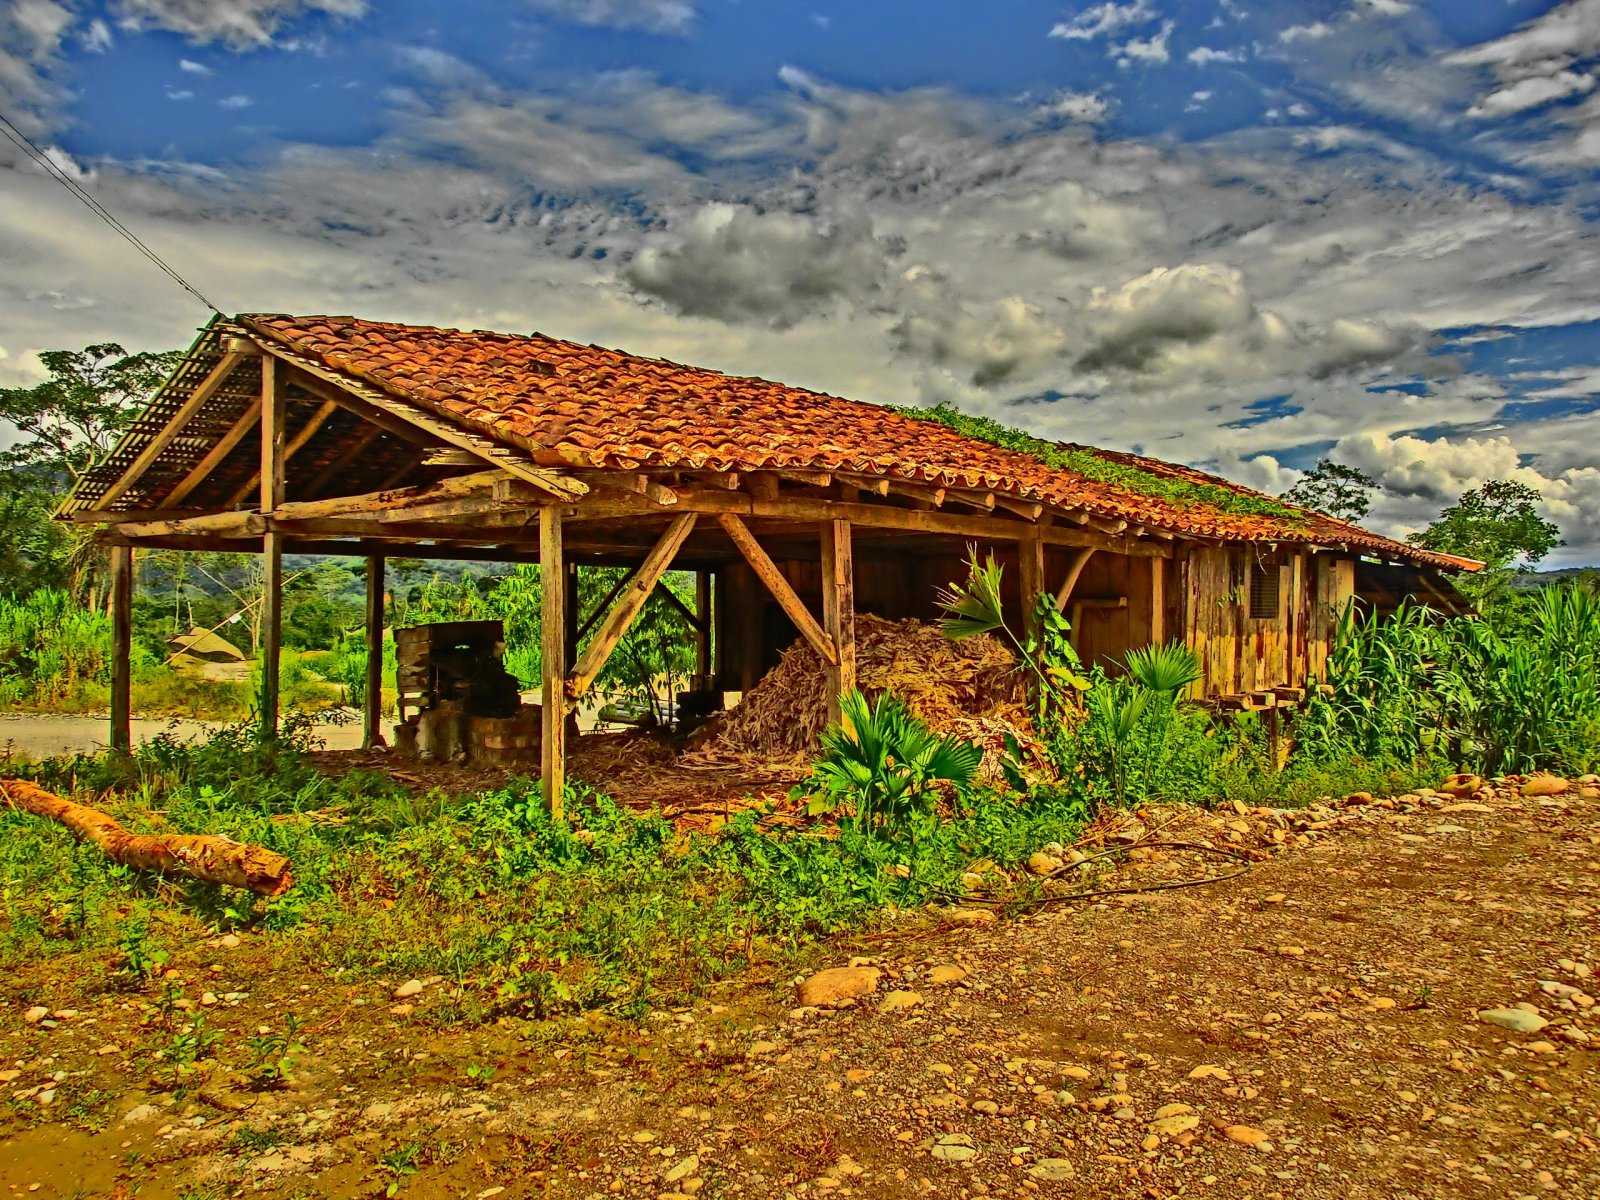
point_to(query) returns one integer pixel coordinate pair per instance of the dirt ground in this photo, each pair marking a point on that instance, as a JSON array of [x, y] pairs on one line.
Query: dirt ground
[[1311, 1028], [52, 735]]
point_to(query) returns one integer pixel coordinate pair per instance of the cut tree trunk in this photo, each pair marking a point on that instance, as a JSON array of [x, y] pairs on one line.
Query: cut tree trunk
[[212, 858]]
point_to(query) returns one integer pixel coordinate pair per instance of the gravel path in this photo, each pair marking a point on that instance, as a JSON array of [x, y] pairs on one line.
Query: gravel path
[[1313, 1028]]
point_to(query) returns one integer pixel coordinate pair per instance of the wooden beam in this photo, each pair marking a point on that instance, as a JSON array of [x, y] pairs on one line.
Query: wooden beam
[[362, 436], [307, 432], [1026, 509], [214, 456], [552, 637], [763, 485], [353, 393], [703, 624], [223, 524], [121, 733], [168, 432], [273, 404], [451, 457], [1075, 569], [767, 571], [388, 500], [839, 612], [982, 501], [628, 605], [1158, 601], [372, 700], [1030, 578]]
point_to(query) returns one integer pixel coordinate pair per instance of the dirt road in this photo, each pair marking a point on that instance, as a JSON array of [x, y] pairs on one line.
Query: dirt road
[[1311, 1029], [52, 735]]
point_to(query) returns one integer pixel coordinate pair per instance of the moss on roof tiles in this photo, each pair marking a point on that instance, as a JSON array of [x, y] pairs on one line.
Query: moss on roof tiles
[[1091, 465]]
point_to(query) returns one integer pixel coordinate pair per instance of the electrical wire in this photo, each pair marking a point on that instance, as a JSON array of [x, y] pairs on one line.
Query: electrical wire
[[27, 145]]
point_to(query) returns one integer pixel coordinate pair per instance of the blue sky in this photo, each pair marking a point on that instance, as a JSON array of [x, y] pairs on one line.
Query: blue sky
[[1238, 235]]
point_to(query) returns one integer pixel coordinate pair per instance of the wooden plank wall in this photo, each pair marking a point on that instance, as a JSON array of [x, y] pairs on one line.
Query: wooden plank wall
[[1239, 653]]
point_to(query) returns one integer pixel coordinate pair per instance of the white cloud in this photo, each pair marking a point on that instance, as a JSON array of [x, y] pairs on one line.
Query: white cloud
[[179, 94], [1532, 92], [96, 37], [1076, 222], [1203, 56], [1146, 51], [653, 16], [1089, 107], [1312, 32], [193, 68], [1102, 20], [236, 101], [31, 34], [733, 263], [239, 24], [990, 342], [1382, 8], [1572, 28]]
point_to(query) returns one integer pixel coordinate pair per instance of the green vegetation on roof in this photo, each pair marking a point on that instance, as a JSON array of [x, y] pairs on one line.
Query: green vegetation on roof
[[1090, 465]]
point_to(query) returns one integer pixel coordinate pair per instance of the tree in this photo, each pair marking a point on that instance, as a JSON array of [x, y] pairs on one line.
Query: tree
[[1496, 524], [65, 423], [1334, 490], [75, 416]]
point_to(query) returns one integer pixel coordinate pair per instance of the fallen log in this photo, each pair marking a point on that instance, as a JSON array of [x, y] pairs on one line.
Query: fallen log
[[213, 858]]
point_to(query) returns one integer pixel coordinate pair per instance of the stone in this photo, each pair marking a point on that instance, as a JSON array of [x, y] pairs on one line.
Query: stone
[[1544, 785], [1246, 1135], [1174, 1125], [837, 984], [987, 1107], [1466, 806], [763, 1047], [1515, 1019], [970, 916], [36, 1014], [1053, 1170], [899, 999], [1206, 1071], [1173, 1110], [954, 1147], [1461, 786], [411, 987], [947, 973], [1041, 863], [683, 1169], [140, 1113]]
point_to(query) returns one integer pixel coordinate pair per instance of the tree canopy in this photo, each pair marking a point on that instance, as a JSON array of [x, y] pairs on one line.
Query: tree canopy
[[1334, 490], [1498, 524]]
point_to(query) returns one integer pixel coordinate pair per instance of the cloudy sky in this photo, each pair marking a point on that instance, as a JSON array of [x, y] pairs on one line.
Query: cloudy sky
[[1229, 233]]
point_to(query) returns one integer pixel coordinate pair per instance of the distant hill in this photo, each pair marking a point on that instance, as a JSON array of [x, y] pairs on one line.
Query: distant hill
[[1537, 579]]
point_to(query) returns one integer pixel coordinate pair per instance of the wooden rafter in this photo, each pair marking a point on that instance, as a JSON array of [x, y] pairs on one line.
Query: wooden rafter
[[214, 456], [767, 571], [294, 446], [492, 453], [169, 432], [628, 606]]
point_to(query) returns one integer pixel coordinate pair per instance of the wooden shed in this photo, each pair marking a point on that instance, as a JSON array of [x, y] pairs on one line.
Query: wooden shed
[[341, 436]]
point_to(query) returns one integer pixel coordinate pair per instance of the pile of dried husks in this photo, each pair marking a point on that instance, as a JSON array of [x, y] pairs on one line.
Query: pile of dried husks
[[967, 688]]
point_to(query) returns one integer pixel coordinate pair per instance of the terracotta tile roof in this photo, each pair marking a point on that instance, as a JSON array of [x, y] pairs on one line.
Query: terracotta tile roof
[[586, 406]]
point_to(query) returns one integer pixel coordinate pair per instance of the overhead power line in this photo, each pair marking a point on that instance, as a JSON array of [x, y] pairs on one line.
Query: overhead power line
[[27, 145]]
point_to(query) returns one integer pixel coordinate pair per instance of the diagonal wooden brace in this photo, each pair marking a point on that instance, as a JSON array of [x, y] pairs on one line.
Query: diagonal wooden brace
[[628, 606], [767, 571]]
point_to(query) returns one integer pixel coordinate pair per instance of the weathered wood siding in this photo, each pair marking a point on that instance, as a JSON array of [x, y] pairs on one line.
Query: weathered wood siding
[[1240, 653]]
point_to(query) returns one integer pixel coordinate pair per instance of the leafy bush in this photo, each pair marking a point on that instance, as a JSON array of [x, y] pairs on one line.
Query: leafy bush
[[884, 769]]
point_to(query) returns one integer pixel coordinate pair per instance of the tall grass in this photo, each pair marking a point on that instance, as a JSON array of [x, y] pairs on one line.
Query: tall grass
[[54, 652], [1507, 692]]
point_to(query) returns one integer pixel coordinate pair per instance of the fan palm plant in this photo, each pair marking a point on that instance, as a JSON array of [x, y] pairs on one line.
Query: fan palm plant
[[884, 768]]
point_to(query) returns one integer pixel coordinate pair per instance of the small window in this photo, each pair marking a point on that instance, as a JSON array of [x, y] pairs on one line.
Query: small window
[[1265, 597]]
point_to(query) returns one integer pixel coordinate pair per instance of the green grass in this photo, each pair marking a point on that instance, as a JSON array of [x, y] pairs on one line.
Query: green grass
[[1091, 465], [617, 910]]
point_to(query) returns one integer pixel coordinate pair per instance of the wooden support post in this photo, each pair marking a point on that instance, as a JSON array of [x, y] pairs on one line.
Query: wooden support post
[[121, 647], [272, 487], [1158, 601], [1030, 577], [702, 612], [372, 701], [767, 572], [552, 630], [839, 612]]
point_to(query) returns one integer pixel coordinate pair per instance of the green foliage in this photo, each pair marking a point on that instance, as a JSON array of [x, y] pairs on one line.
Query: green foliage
[[1514, 690], [1092, 465], [1334, 490], [272, 1054], [1498, 524], [884, 769], [77, 413]]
